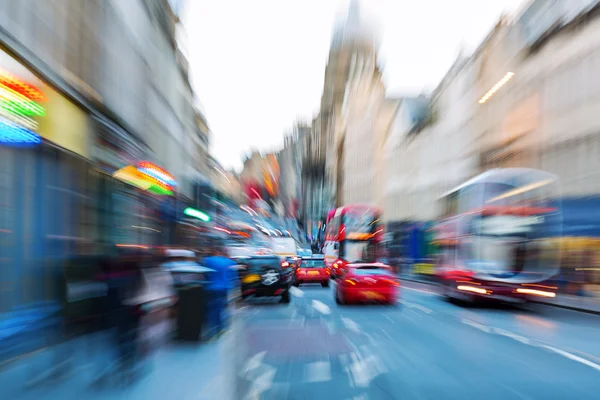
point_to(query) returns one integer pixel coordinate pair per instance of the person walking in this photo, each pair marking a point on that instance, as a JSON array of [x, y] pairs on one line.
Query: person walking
[[221, 282]]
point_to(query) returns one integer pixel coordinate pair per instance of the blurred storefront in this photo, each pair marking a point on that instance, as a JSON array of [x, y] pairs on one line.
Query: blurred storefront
[[45, 209], [409, 246], [58, 198]]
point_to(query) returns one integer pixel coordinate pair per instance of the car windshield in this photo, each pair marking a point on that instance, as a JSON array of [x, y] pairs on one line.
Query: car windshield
[[313, 264], [263, 262], [371, 271]]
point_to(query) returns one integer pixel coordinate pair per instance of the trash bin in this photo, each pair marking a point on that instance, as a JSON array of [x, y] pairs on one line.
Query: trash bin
[[191, 312]]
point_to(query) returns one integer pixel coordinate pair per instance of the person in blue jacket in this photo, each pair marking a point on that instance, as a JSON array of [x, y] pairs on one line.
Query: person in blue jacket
[[222, 280]]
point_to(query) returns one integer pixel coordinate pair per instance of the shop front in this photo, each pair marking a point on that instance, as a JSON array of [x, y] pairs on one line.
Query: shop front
[[45, 210]]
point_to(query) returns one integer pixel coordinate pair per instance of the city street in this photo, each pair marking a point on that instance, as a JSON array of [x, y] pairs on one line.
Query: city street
[[423, 348]]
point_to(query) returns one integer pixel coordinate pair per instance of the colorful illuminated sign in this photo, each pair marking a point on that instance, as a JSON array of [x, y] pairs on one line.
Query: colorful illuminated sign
[[147, 176], [156, 172], [192, 212], [13, 134], [18, 108]]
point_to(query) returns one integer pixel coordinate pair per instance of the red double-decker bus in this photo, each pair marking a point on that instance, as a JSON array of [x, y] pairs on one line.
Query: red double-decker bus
[[353, 234]]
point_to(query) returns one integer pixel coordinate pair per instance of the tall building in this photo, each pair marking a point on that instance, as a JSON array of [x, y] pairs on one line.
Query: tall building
[[526, 97], [546, 115], [290, 163], [353, 48], [202, 146], [429, 148]]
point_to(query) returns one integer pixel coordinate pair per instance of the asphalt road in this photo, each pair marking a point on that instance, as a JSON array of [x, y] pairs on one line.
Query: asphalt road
[[424, 348]]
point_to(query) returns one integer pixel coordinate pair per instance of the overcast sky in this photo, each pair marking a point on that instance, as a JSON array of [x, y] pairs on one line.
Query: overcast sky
[[258, 65]]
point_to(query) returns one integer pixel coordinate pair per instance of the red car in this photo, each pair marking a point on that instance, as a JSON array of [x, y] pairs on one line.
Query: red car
[[291, 262], [372, 282], [313, 270], [338, 268]]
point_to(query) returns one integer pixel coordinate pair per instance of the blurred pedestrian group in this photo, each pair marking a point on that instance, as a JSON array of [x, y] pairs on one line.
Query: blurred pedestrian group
[[115, 311]]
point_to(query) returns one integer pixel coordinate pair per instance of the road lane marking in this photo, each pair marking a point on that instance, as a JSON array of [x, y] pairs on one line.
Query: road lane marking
[[321, 307], [254, 362], [429, 292], [359, 372], [296, 292], [520, 395], [386, 334], [351, 325], [511, 335], [415, 306], [319, 371], [262, 384], [405, 315], [422, 308], [389, 318], [572, 357], [476, 325], [531, 342], [365, 370], [589, 356]]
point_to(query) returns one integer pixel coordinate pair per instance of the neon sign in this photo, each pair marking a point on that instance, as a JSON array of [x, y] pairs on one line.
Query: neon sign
[[18, 97], [157, 173], [192, 212], [147, 176], [23, 88], [15, 135], [18, 106]]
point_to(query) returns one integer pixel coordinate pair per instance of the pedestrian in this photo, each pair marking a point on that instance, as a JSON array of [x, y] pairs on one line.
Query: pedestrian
[[124, 281], [221, 282]]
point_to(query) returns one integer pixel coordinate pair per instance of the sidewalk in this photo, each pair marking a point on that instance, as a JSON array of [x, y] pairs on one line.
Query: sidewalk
[[177, 371], [577, 303], [22, 328]]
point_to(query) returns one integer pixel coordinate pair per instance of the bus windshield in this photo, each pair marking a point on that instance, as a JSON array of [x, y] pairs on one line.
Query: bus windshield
[[360, 221], [358, 251]]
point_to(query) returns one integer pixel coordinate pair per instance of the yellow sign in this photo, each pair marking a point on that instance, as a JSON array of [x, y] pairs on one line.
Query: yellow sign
[[130, 174], [425, 269], [359, 236], [64, 123]]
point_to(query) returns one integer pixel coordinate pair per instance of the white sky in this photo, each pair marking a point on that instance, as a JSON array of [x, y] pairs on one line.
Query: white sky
[[258, 65]]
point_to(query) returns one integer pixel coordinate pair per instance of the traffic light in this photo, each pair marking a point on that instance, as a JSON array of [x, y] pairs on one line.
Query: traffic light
[[192, 212]]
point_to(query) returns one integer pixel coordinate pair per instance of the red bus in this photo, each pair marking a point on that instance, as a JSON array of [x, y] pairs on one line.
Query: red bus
[[353, 234], [496, 236]]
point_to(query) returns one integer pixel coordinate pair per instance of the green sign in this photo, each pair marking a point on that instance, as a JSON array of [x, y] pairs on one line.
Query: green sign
[[192, 212]]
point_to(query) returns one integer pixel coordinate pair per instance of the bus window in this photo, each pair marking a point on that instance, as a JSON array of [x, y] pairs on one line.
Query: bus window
[[451, 204], [470, 198]]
